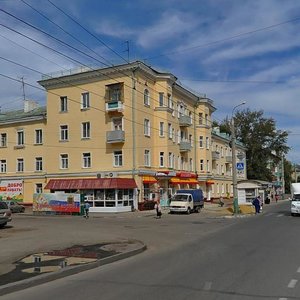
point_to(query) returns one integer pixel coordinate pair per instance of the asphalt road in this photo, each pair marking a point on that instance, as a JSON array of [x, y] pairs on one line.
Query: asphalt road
[[189, 257]]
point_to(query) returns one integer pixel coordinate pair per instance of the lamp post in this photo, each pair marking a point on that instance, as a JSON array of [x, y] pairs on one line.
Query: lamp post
[[233, 150]]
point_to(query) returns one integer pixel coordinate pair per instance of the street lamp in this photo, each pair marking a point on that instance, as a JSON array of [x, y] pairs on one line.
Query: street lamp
[[233, 150]]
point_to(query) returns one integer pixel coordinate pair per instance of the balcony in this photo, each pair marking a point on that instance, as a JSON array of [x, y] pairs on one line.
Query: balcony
[[115, 136], [185, 146], [185, 121], [114, 106], [215, 155]]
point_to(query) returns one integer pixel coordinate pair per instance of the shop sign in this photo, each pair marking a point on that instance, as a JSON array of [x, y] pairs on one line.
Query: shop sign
[[11, 190]]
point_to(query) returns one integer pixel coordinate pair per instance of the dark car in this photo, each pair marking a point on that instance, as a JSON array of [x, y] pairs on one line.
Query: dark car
[[5, 214], [15, 207]]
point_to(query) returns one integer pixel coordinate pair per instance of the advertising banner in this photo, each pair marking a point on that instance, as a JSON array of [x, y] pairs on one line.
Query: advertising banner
[[56, 202], [11, 190]]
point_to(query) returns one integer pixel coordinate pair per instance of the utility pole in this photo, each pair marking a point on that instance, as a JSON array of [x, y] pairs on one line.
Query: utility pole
[[233, 150], [23, 88]]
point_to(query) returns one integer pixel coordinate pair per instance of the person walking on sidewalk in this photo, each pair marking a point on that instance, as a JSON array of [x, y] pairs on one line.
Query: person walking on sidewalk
[[256, 203], [158, 210], [86, 210]]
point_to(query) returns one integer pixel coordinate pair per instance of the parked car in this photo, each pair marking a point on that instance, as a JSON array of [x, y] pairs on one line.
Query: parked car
[[5, 214], [15, 207]]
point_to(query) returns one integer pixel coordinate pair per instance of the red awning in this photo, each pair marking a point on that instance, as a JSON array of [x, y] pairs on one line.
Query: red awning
[[90, 184]]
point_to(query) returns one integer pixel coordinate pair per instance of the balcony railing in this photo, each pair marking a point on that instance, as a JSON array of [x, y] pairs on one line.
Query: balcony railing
[[215, 155], [185, 120], [115, 136], [185, 146], [114, 106]]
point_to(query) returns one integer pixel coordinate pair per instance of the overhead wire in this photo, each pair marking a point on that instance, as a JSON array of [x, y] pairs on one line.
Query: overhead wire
[[59, 52]]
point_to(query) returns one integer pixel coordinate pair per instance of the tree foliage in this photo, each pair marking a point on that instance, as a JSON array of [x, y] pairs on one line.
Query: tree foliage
[[265, 144]]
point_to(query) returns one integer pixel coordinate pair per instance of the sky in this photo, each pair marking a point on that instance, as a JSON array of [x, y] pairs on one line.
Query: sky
[[229, 50]]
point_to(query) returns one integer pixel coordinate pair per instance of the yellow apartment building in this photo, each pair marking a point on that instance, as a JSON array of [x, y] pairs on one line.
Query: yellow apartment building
[[222, 164], [119, 135]]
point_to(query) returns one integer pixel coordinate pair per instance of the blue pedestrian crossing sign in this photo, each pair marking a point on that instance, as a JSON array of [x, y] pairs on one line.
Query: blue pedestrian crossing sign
[[240, 166]]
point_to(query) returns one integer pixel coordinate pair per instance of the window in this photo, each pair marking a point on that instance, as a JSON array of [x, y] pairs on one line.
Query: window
[[161, 99], [64, 133], [20, 138], [39, 164], [170, 131], [201, 141], [86, 160], [85, 130], [3, 140], [146, 98], [201, 165], [117, 124], [171, 160], [207, 166], [161, 159], [118, 159], [20, 165], [64, 161], [147, 160], [38, 188], [63, 104], [191, 140], [200, 118], [85, 100], [173, 135], [146, 127], [206, 119], [161, 129], [170, 102], [38, 136], [3, 166], [191, 117], [178, 136], [207, 143], [191, 165], [115, 92]]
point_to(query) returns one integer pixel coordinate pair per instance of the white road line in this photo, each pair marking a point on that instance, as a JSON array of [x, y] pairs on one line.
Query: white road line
[[207, 285], [298, 271], [292, 283], [281, 215], [283, 299]]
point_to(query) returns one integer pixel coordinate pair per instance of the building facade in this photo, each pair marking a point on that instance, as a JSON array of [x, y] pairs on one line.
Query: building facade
[[126, 122]]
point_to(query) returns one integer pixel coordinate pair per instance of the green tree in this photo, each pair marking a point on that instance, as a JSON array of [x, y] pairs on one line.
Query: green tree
[[265, 144], [288, 169]]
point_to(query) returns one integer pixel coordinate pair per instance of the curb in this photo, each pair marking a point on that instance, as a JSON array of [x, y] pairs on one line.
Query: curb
[[31, 282]]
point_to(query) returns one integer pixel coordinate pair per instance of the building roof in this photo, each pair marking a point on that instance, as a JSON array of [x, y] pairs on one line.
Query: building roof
[[21, 116]]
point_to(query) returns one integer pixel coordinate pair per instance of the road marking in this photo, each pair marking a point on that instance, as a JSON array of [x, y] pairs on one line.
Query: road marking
[[281, 215], [207, 285], [298, 271], [269, 214], [283, 299], [292, 283]]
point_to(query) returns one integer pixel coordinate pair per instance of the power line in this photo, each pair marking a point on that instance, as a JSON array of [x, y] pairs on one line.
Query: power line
[[225, 39], [93, 35], [56, 51]]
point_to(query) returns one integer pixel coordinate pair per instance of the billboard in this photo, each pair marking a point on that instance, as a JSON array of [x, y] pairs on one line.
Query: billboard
[[11, 190], [56, 203]]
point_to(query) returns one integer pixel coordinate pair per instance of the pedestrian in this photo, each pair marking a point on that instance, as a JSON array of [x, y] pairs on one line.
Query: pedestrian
[[276, 197], [256, 203], [86, 207], [158, 209]]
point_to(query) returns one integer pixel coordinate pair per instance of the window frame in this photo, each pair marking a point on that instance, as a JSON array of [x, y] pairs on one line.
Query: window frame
[[86, 160], [85, 100]]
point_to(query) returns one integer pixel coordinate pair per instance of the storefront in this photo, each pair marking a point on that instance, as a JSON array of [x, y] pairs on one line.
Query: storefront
[[103, 194], [163, 184]]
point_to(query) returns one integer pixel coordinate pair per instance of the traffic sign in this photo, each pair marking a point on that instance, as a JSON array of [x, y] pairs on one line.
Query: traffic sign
[[240, 166]]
